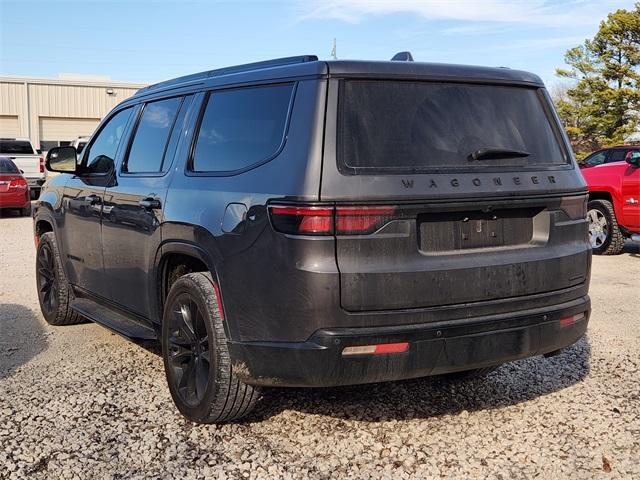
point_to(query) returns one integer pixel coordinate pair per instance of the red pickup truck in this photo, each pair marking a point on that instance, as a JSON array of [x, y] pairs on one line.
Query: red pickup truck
[[614, 204]]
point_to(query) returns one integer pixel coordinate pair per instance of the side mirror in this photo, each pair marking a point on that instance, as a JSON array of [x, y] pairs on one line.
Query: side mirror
[[62, 159], [633, 158]]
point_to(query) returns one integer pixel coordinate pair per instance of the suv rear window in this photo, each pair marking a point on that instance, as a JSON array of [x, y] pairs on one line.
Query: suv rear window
[[413, 126], [17, 147]]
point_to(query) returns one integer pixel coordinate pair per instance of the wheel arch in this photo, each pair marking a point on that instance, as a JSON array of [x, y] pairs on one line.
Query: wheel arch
[[175, 259]]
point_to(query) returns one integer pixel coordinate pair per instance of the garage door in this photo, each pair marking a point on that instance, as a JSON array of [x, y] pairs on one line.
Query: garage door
[[66, 129], [9, 126]]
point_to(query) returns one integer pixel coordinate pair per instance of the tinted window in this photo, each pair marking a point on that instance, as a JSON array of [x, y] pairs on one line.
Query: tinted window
[[102, 153], [617, 156], [597, 158], [152, 136], [16, 147], [81, 146], [393, 125], [241, 127], [7, 166]]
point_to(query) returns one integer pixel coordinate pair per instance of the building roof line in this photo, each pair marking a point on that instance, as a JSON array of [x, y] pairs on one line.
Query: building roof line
[[72, 82]]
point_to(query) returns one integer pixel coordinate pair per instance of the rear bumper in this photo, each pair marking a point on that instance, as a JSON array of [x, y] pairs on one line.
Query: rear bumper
[[434, 348], [14, 200]]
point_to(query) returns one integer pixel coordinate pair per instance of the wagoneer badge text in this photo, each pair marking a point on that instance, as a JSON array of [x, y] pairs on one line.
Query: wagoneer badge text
[[497, 181]]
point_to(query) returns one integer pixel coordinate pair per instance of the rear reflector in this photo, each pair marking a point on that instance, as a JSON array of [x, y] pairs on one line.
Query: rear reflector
[[41, 164], [378, 349], [571, 320], [321, 220]]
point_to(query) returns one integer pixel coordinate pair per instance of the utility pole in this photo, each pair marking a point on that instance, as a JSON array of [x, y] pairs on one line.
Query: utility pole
[[333, 50]]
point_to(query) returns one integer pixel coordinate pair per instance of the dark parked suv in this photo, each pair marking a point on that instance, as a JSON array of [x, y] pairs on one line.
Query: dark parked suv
[[298, 222]]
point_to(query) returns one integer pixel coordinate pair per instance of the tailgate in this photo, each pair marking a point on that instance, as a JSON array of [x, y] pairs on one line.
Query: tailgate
[[429, 255], [29, 164]]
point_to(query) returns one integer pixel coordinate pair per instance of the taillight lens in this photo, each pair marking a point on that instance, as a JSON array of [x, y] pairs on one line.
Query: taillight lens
[[302, 220], [41, 164], [362, 220], [18, 184], [574, 207], [327, 220]]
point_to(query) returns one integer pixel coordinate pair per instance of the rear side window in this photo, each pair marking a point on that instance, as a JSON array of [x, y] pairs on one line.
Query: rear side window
[[7, 166], [414, 126], [242, 127], [16, 147], [151, 137], [617, 156]]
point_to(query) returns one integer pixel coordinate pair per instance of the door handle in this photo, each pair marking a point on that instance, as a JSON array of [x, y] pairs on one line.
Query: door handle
[[150, 203], [93, 199]]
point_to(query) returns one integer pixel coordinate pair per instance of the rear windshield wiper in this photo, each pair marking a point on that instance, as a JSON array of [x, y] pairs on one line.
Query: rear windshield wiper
[[497, 154]]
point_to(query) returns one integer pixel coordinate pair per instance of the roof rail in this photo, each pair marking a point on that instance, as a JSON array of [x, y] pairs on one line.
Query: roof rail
[[276, 62]]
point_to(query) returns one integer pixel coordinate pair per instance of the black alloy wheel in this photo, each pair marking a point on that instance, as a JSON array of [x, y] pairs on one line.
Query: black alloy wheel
[[48, 290], [200, 372], [189, 353]]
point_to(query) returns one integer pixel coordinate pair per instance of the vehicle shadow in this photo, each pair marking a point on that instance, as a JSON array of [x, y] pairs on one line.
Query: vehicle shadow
[[632, 248], [510, 384], [10, 213], [22, 337]]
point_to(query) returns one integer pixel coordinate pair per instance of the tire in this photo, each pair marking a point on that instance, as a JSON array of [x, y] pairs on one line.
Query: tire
[[471, 374], [34, 193], [54, 292], [196, 358], [604, 232]]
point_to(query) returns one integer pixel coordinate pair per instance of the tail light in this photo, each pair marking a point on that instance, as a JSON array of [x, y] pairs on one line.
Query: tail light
[[18, 184], [41, 164], [327, 220], [574, 207]]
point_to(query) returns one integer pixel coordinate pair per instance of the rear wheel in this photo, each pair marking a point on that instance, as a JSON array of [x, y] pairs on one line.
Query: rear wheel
[[201, 379], [604, 233], [54, 292]]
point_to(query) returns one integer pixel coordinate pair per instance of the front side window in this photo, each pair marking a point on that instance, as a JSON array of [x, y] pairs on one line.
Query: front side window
[[242, 127], [152, 136], [413, 126], [597, 158], [101, 154]]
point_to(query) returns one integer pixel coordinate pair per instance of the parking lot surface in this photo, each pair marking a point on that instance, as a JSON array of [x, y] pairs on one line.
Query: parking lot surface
[[81, 402]]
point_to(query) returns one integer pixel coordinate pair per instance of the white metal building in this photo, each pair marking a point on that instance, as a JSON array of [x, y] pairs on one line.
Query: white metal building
[[52, 112]]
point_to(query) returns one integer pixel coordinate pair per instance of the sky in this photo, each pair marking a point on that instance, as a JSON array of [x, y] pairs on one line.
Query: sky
[[149, 41]]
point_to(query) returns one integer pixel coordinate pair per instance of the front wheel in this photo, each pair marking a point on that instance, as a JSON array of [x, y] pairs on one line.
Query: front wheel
[[604, 232], [54, 292], [197, 364]]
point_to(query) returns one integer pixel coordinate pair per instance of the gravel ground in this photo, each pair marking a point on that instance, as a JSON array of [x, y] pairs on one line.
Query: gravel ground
[[80, 402]]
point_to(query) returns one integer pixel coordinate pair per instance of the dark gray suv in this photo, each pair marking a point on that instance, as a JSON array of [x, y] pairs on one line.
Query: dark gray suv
[[299, 222]]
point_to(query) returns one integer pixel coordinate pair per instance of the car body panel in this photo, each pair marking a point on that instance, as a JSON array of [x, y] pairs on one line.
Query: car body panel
[[621, 181]]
